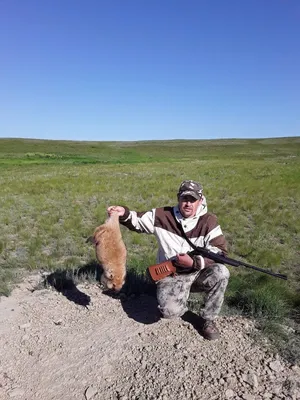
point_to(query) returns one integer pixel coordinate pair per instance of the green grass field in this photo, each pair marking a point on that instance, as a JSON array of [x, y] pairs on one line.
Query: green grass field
[[54, 193]]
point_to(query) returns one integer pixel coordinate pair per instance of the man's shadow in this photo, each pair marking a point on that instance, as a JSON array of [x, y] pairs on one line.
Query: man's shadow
[[138, 295]]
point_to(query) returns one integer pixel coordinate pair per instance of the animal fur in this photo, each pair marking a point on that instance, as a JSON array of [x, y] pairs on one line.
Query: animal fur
[[111, 253]]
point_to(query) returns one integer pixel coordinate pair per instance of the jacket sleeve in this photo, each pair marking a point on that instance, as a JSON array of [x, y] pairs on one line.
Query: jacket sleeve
[[141, 222], [214, 241]]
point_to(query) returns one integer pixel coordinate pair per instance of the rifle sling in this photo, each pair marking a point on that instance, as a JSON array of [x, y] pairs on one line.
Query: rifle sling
[[183, 233]]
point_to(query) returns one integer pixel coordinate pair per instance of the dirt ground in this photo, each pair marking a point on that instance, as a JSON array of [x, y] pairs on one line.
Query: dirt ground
[[53, 347]]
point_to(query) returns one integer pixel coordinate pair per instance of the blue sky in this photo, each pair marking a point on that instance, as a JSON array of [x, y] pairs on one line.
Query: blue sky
[[149, 69]]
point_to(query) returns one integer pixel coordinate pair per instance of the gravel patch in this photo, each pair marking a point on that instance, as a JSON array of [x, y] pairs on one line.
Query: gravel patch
[[52, 348]]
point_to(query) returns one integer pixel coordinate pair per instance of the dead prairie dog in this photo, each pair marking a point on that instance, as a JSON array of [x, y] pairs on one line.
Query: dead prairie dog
[[111, 252]]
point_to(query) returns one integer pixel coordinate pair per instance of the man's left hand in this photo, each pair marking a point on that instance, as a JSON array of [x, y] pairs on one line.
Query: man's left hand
[[184, 260]]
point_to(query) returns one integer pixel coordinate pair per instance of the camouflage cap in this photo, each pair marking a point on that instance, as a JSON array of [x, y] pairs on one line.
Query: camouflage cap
[[190, 188]]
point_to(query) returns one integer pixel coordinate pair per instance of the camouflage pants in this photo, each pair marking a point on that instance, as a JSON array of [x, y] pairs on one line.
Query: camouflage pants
[[173, 291]]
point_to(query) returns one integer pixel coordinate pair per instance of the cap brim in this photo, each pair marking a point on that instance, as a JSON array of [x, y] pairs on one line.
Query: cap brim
[[190, 193]]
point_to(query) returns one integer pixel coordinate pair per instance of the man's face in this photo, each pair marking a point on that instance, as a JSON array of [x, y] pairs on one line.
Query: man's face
[[188, 206]]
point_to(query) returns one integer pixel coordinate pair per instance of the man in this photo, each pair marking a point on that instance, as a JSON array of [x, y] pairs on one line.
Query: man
[[203, 274]]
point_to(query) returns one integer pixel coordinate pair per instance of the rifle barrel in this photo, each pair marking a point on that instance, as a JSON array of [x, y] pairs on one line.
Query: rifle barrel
[[235, 263]]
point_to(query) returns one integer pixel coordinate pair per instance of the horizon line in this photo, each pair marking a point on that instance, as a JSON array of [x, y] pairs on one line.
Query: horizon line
[[149, 140]]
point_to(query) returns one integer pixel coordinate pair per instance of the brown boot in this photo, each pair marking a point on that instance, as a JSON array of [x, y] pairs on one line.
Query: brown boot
[[209, 331]]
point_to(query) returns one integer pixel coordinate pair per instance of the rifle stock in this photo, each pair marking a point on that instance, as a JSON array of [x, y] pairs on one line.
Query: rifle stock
[[230, 261]]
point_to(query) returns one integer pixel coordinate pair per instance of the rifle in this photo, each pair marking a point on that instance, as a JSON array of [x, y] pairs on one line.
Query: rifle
[[230, 261], [171, 267], [219, 257]]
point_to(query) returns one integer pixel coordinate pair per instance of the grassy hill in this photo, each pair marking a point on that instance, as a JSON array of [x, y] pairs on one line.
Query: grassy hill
[[30, 151]]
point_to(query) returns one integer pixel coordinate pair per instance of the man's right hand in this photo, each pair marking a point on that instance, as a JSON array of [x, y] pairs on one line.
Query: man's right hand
[[118, 209]]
